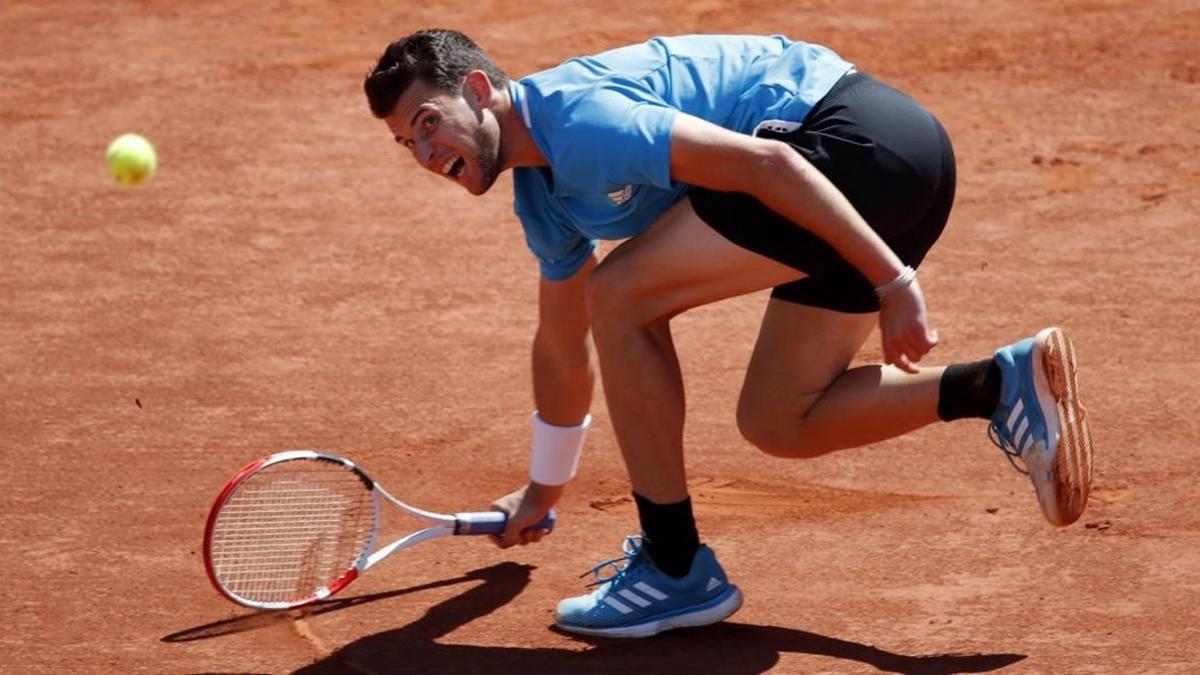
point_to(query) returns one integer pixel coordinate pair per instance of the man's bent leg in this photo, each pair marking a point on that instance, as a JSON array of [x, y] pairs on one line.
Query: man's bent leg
[[801, 399], [678, 264]]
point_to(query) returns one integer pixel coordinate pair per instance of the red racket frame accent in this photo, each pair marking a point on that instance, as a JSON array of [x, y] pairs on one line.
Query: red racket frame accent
[[337, 585], [212, 520]]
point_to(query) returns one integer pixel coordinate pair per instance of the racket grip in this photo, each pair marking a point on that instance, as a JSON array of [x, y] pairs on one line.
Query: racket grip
[[494, 522]]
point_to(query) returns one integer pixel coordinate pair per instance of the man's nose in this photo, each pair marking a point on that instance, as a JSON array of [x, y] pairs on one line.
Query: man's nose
[[424, 152]]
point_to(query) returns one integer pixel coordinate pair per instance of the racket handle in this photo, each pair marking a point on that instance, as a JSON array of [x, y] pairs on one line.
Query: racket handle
[[494, 522]]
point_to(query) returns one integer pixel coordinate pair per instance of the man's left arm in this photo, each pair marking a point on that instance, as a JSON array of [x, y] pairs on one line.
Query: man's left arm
[[710, 156]]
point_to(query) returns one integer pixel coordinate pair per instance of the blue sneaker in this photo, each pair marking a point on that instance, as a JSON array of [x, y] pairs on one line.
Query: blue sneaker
[[1041, 422], [638, 600]]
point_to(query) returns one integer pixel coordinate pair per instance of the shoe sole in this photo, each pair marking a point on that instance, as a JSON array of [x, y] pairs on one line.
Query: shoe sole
[[1063, 494], [723, 609]]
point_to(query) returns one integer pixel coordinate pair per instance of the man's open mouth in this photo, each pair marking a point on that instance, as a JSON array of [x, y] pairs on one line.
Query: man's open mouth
[[454, 167]]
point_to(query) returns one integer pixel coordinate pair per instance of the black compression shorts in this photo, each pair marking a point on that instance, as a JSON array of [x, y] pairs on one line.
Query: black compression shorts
[[887, 155]]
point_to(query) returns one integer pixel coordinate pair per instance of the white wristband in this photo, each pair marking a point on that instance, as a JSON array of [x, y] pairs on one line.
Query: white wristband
[[556, 450]]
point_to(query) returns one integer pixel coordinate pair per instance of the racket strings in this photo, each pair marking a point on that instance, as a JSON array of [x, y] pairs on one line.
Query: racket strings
[[291, 529]]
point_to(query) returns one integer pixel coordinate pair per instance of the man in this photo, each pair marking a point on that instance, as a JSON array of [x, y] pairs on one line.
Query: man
[[732, 164]]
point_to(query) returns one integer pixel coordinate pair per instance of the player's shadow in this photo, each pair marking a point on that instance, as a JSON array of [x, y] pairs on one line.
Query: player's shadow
[[729, 647], [262, 619]]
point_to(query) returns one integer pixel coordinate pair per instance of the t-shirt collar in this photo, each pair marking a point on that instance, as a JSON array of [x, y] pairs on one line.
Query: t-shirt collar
[[517, 92]]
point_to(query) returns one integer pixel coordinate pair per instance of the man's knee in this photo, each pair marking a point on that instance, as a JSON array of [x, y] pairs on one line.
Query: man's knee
[[615, 299], [603, 294], [777, 431]]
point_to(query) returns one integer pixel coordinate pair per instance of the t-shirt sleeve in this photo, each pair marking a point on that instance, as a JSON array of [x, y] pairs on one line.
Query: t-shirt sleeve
[[613, 138], [563, 258], [559, 249]]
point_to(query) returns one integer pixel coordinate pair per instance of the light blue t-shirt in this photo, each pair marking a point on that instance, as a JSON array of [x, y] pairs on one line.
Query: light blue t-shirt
[[603, 123]]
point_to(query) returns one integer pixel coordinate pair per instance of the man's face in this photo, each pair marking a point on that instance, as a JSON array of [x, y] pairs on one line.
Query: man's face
[[449, 134]]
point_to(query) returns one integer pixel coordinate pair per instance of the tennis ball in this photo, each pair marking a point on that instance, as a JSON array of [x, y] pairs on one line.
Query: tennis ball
[[131, 159]]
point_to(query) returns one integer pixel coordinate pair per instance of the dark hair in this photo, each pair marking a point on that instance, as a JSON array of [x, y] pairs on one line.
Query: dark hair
[[437, 56]]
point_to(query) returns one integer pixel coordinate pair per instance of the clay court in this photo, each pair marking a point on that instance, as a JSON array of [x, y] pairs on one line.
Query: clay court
[[289, 279]]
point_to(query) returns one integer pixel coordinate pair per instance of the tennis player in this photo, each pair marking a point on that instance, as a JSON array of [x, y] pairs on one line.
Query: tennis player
[[729, 164]]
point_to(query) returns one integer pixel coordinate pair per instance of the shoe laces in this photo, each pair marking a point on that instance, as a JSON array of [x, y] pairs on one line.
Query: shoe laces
[[1009, 449], [631, 547]]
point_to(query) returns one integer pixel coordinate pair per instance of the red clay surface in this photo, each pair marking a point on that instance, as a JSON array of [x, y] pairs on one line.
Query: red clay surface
[[290, 279]]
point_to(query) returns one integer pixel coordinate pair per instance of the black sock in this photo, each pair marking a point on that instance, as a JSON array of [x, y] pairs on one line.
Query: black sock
[[969, 390], [669, 534]]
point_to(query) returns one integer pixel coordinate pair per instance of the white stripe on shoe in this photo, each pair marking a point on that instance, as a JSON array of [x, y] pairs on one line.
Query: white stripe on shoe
[[1017, 435], [618, 605], [1014, 415], [1025, 444], [633, 597], [650, 590]]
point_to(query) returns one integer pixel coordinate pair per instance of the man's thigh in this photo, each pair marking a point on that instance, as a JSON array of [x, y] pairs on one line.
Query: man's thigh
[[681, 263]]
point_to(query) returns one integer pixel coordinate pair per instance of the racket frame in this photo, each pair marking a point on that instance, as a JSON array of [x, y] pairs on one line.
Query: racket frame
[[467, 523]]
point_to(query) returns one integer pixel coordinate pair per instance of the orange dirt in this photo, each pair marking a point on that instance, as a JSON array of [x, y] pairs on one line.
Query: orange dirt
[[289, 279]]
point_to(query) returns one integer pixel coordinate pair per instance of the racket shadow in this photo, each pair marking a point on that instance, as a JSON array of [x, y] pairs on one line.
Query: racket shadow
[[264, 618], [733, 648]]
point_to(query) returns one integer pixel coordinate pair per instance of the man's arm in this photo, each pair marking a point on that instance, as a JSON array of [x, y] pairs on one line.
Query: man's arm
[[562, 372], [563, 381], [707, 155]]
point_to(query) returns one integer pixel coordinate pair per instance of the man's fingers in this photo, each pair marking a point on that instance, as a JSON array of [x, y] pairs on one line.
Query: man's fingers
[[904, 346], [518, 535], [923, 341], [511, 535], [915, 349], [902, 352], [517, 532], [889, 352], [533, 535], [915, 344]]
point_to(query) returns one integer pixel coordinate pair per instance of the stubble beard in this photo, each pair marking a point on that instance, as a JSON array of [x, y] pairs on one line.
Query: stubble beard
[[488, 158]]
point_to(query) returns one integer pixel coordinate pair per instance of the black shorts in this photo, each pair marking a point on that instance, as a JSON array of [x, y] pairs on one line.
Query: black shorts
[[887, 155]]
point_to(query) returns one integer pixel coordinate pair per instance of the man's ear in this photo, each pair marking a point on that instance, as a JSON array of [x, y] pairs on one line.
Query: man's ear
[[478, 88]]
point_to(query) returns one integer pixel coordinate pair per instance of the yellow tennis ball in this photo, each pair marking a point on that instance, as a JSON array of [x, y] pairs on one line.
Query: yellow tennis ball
[[131, 159]]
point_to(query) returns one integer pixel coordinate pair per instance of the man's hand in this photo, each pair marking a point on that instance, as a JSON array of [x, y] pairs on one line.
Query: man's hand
[[904, 329], [525, 507]]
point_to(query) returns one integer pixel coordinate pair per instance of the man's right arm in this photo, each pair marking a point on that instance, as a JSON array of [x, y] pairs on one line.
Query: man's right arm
[[563, 381]]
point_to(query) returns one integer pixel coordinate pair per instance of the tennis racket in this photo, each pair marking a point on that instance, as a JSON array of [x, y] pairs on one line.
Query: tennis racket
[[298, 526]]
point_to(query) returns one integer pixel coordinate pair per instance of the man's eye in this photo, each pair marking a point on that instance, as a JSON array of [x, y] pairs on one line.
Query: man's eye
[[430, 121]]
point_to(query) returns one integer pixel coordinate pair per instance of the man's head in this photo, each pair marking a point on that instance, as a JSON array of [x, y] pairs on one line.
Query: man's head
[[435, 90]]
